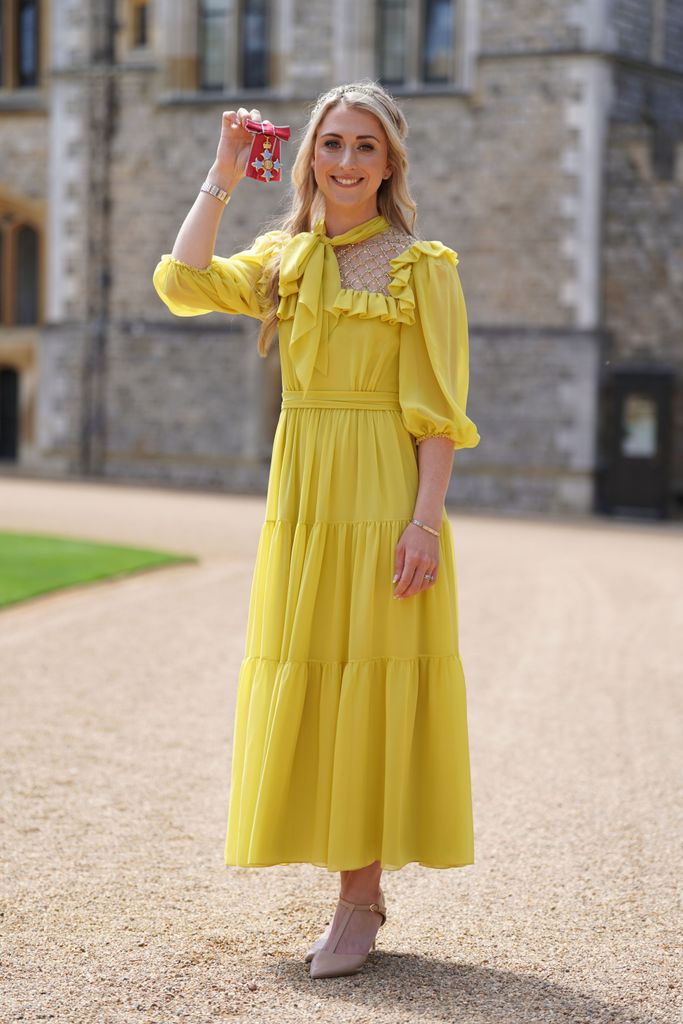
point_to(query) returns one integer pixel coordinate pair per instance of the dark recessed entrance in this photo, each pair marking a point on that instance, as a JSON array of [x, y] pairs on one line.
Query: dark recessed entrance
[[9, 412], [635, 476]]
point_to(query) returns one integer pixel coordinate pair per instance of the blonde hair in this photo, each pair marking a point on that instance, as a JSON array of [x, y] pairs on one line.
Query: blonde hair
[[394, 201]]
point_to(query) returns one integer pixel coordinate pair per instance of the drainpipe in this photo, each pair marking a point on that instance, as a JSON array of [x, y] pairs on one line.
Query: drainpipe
[[102, 108]]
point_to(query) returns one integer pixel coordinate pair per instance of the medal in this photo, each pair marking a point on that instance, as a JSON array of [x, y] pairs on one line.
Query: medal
[[264, 162]]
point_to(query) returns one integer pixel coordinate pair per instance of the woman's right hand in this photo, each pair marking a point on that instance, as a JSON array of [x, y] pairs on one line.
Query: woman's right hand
[[235, 142]]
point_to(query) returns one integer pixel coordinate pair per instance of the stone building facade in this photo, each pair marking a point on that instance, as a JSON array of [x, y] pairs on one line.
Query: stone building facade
[[546, 148]]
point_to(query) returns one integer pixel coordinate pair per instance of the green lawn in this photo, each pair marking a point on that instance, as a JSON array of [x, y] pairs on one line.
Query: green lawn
[[32, 563]]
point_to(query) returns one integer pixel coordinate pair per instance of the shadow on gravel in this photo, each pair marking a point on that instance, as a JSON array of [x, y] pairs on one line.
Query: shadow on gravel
[[438, 990]]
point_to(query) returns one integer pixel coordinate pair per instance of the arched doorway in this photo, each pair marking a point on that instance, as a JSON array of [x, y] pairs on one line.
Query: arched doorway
[[9, 413]]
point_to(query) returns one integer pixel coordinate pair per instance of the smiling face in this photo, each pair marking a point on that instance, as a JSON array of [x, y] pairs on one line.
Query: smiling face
[[350, 162]]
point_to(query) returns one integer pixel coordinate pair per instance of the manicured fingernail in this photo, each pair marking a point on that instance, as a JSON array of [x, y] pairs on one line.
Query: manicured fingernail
[[395, 578]]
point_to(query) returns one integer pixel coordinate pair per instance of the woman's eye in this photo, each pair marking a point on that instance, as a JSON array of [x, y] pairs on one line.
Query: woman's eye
[[333, 142]]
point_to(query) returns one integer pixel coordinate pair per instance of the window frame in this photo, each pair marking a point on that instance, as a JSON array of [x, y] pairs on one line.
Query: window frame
[[234, 52], [415, 57], [204, 18], [10, 46], [241, 42], [12, 220], [134, 6]]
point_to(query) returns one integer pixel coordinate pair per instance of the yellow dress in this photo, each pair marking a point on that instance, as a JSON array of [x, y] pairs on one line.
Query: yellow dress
[[350, 733]]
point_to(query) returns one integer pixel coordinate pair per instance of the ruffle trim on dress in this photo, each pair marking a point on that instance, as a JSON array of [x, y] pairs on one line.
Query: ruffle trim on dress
[[398, 307], [340, 764], [371, 305], [424, 437], [400, 286], [169, 258]]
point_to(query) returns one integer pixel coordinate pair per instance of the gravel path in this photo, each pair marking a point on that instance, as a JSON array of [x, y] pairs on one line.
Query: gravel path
[[119, 700]]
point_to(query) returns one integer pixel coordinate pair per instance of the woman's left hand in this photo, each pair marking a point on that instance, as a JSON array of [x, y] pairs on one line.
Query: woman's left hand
[[417, 553]]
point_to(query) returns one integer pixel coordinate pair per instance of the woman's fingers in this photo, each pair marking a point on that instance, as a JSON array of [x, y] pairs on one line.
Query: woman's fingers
[[235, 141], [416, 557], [253, 115], [238, 117], [412, 582], [399, 560], [412, 577]]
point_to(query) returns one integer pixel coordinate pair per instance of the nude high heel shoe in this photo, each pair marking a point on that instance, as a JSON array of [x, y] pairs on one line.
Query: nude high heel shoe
[[319, 943], [327, 963]]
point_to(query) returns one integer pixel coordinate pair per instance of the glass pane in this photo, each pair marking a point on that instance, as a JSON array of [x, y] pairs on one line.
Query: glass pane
[[27, 28], [255, 44], [391, 41], [437, 56], [639, 427], [2, 48], [212, 42], [140, 25], [26, 305]]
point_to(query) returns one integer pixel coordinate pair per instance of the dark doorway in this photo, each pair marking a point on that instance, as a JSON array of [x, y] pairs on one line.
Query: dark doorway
[[637, 441], [9, 412]]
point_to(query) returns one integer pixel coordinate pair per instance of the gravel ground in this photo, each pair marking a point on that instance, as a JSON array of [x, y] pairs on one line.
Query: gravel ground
[[119, 701]]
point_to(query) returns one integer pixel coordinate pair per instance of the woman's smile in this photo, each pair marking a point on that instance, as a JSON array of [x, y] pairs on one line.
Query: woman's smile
[[345, 182]]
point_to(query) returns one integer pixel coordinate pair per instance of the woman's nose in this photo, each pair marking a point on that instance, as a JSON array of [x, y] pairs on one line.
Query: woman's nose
[[346, 158]]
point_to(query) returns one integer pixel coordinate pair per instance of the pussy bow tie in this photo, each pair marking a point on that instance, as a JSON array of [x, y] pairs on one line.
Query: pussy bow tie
[[309, 266]]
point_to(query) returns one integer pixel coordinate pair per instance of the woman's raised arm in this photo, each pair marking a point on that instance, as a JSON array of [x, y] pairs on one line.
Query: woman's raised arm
[[196, 240]]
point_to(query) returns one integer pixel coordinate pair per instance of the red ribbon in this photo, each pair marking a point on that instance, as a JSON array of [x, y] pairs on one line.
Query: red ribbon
[[264, 158]]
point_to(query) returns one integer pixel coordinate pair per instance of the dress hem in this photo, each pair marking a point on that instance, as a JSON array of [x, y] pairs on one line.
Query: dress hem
[[320, 864]]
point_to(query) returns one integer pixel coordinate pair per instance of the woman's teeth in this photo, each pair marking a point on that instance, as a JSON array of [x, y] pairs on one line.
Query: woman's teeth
[[346, 181]]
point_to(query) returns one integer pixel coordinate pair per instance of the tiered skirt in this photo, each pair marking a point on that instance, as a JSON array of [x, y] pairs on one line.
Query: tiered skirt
[[350, 733]]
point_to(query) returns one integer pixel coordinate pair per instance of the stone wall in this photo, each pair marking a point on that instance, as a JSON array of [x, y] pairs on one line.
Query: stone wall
[[62, 355], [643, 232], [489, 173], [496, 174], [522, 26], [183, 406], [538, 157], [534, 399]]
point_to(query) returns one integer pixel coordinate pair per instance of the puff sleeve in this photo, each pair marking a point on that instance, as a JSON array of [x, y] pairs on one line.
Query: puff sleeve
[[230, 284], [434, 352]]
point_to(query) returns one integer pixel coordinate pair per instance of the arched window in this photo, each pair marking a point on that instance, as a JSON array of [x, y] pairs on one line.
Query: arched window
[[19, 268]]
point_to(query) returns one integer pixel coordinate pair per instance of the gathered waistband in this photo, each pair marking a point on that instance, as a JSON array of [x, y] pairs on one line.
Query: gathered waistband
[[341, 399]]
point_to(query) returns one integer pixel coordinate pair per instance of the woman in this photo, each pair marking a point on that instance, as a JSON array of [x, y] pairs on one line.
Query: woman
[[350, 738]]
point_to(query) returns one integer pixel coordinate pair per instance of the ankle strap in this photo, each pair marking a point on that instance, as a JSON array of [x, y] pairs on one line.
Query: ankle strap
[[378, 908]]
